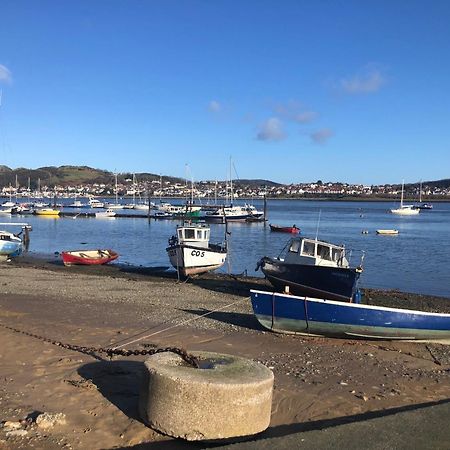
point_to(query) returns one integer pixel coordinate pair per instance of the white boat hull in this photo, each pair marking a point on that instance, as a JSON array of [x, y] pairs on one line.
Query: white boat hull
[[191, 260], [405, 211]]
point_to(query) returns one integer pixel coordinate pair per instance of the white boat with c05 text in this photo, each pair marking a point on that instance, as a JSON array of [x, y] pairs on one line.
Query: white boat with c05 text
[[190, 252]]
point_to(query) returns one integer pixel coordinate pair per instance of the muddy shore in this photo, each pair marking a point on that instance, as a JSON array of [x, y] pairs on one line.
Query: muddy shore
[[316, 379]]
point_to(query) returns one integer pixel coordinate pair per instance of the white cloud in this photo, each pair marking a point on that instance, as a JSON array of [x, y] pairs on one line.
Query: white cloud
[[5, 74], [321, 136], [305, 117], [214, 106], [271, 130], [294, 111], [369, 79]]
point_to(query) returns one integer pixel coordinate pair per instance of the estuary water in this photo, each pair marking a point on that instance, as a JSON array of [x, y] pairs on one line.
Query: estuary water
[[417, 260]]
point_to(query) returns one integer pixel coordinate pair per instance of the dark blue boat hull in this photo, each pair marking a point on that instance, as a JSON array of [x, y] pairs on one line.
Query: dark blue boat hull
[[293, 314], [334, 283]]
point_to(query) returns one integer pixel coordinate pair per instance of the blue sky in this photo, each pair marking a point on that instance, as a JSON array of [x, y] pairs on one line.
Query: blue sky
[[294, 91]]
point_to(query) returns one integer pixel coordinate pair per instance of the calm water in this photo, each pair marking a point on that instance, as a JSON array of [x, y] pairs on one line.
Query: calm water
[[417, 260]]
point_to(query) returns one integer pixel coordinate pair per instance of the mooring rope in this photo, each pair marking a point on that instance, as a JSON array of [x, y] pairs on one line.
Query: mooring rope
[[180, 324]]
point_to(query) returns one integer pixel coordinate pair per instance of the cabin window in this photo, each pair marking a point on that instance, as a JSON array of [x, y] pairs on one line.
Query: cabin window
[[295, 245], [336, 254], [199, 234], [189, 234], [180, 234], [309, 248], [323, 252]]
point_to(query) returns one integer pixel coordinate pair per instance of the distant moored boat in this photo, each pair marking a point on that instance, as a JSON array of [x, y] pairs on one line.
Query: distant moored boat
[[294, 229]]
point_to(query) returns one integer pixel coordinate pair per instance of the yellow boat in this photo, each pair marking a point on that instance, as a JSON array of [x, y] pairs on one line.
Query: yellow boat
[[47, 212]]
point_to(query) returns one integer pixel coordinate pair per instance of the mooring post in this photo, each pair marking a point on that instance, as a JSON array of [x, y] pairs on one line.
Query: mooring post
[[265, 209], [148, 200], [26, 235]]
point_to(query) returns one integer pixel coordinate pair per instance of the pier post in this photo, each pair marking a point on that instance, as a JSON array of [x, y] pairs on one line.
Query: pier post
[[148, 200], [265, 209]]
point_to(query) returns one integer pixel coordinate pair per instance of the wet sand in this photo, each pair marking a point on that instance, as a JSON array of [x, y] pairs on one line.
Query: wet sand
[[317, 380]]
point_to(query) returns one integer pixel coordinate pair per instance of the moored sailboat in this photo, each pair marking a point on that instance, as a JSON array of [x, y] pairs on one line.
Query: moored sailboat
[[405, 210]]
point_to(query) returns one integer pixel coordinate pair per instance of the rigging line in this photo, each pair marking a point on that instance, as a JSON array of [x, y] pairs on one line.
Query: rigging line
[[318, 223], [179, 324], [235, 171]]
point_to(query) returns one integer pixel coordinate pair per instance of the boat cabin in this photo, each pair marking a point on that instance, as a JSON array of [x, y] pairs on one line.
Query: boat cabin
[[315, 253], [195, 234]]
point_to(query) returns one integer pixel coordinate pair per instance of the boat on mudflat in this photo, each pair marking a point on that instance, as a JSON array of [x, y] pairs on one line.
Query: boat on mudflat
[[312, 316], [315, 268], [88, 257], [10, 245], [294, 229], [190, 252]]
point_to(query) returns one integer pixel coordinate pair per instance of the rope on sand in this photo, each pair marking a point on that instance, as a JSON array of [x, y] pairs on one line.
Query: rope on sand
[[180, 324]]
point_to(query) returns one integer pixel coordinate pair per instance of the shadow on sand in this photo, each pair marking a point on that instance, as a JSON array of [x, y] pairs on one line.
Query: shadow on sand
[[119, 382], [287, 430], [239, 319]]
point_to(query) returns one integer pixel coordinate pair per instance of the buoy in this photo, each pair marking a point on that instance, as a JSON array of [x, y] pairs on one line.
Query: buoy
[[227, 397]]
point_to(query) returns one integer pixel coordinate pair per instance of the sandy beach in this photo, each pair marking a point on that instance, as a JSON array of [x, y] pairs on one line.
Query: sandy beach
[[316, 379]]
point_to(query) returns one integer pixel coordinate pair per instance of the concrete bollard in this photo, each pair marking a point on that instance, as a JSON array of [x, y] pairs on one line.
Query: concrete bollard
[[228, 397]]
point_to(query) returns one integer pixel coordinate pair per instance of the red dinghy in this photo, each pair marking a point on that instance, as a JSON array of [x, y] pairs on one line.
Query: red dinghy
[[293, 229], [88, 257]]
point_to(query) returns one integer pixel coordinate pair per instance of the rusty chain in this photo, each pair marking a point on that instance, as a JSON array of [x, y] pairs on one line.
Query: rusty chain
[[110, 352]]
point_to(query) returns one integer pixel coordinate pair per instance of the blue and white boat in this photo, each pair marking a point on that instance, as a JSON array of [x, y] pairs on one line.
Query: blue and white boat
[[312, 316], [10, 245]]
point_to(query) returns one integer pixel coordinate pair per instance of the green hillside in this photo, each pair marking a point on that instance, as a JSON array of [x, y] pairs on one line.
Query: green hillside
[[68, 175]]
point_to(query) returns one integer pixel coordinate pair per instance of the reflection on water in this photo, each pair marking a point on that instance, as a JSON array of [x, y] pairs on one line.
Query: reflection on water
[[417, 260]]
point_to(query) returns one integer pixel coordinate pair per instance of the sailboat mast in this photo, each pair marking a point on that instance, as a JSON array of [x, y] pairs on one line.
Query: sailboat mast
[[420, 192], [115, 178], [231, 185], [401, 198]]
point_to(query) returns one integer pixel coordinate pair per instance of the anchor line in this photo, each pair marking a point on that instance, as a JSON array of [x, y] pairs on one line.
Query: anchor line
[[179, 324], [110, 352]]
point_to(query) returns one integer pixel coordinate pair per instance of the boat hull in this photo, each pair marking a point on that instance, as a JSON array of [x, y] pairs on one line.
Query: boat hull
[[217, 218], [405, 211], [388, 232], [303, 315], [193, 260], [10, 248], [334, 283], [293, 230], [47, 212], [88, 257]]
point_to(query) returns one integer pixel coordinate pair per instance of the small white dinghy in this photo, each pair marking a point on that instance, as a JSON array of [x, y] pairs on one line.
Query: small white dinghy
[[191, 253], [388, 232]]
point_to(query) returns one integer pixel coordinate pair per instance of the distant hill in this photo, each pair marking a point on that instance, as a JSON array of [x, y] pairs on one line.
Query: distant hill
[[254, 183], [68, 175], [443, 184], [77, 175]]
